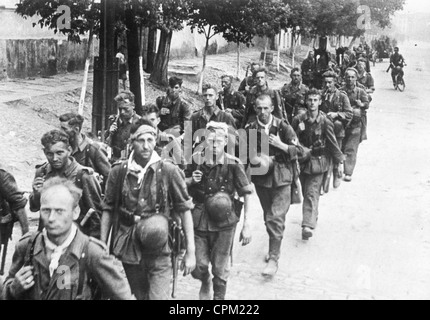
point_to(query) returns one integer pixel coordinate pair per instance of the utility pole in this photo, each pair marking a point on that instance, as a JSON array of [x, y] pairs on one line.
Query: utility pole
[[106, 70]]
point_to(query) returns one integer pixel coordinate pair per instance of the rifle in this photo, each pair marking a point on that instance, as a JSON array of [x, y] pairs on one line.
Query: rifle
[[391, 66], [177, 234], [221, 100], [6, 229]]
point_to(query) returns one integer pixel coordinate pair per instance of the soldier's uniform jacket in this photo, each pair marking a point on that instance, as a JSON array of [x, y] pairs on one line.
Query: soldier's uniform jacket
[[294, 98], [179, 113], [235, 101], [247, 82], [199, 120], [282, 174], [338, 101], [140, 200], [84, 252], [308, 68], [354, 95], [397, 59], [119, 140], [366, 80], [229, 177], [251, 97], [10, 193], [320, 138], [90, 154], [84, 179]]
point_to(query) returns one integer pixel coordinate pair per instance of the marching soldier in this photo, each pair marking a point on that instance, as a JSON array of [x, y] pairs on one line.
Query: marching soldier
[[200, 119], [231, 101], [60, 163], [60, 262], [366, 80], [119, 131], [274, 177], [213, 181], [143, 196], [294, 95], [309, 69], [12, 201], [316, 132], [338, 109], [262, 88], [250, 81], [360, 103], [85, 151], [168, 146], [174, 111]]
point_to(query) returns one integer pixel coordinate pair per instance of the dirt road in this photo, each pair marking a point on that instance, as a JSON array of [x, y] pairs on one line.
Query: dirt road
[[373, 238]]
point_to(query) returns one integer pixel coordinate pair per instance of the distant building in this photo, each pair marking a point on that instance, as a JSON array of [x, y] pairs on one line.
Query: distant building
[[27, 51]]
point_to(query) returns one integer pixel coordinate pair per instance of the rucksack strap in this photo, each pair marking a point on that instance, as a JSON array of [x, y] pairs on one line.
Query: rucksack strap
[[30, 248]]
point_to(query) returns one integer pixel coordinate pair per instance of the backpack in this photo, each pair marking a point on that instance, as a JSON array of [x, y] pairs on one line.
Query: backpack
[[95, 290]]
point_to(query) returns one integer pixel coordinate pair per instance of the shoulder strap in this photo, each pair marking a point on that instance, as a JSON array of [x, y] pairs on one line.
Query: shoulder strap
[[82, 267], [95, 292], [30, 248], [160, 200], [79, 177], [87, 155]]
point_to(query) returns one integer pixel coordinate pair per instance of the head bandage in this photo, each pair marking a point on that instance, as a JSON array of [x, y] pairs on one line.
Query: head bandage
[[143, 130]]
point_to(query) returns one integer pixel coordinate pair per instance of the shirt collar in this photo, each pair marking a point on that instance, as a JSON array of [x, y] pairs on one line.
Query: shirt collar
[[216, 111], [85, 142], [266, 126], [137, 169], [317, 120], [69, 170]]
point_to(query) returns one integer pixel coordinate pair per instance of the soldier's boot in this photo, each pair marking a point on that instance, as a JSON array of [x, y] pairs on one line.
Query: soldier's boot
[[220, 289], [307, 233], [271, 269], [337, 179], [205, 289], [272, 262]]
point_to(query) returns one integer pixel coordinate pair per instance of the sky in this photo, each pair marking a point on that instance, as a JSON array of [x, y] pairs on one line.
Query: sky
[[414, 6]]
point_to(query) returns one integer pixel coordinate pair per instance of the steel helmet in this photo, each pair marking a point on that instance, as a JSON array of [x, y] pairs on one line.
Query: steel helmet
[[152, 233], [219, 206], [264, 162]]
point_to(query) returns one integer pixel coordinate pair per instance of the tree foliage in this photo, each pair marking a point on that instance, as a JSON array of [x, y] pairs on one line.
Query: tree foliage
[[84, 13]]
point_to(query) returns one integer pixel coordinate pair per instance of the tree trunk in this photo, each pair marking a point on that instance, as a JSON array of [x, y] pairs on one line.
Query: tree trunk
[[278, 64], [142, 79], [351, 44], [152, 43], [205, 54], [160, 73], [238, 61], [133, 58], [265, 52]]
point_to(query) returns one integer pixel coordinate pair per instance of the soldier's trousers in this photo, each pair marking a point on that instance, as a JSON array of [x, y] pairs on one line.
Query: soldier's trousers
[[350, 148], [275, 203], [151, 279], [214, 248], [311, 186]]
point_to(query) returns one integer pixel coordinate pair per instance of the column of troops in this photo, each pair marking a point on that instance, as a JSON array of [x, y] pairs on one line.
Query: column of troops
[[159, 203]]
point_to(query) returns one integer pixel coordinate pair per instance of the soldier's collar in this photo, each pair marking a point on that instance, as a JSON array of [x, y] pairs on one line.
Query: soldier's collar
[[85, 142]]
